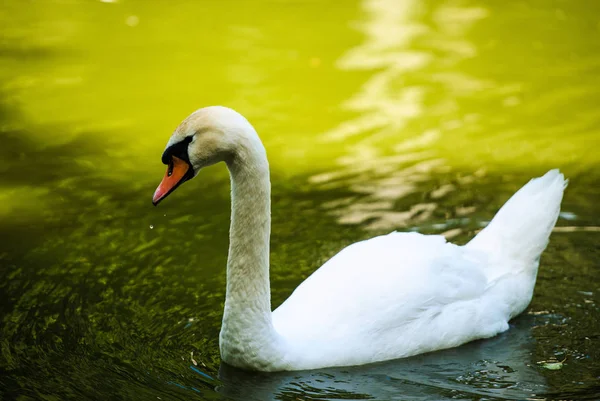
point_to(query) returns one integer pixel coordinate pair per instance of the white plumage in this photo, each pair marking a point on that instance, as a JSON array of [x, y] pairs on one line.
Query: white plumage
[[388, 297], [403, 294]]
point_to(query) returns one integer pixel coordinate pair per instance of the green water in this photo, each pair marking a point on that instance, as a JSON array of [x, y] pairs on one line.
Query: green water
[[376, 115]]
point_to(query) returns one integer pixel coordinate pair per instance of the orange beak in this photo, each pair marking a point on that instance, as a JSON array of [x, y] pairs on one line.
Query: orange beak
[[177, 173]]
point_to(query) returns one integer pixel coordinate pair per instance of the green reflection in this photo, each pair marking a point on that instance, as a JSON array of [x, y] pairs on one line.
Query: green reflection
[[377, 115]]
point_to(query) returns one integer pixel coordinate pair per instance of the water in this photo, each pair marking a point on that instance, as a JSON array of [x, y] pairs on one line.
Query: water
[[377, 115]]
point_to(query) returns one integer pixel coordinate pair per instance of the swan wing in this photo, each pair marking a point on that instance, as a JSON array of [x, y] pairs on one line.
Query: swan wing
[[380, 287]]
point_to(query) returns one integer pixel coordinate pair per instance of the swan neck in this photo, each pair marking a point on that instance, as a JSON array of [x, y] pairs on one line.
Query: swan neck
[[247, 334], [249, 235]]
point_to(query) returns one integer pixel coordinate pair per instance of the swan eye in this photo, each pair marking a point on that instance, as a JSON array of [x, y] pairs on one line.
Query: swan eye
[[170, 172], [179, 149]]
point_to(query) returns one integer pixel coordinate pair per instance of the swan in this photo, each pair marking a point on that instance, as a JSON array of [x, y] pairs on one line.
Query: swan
[[388, 297]]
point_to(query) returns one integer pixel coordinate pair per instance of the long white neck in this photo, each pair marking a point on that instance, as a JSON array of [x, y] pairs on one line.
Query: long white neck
[[247, 334]]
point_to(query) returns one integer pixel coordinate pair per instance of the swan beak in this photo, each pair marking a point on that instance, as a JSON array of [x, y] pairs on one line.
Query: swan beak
[[177, 173]]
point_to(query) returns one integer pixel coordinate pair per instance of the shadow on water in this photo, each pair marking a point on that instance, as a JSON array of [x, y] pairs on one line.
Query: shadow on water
[[38, 180], [494, 369]]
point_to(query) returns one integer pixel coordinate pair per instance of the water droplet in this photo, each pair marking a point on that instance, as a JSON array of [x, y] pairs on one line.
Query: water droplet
[[151, 226]]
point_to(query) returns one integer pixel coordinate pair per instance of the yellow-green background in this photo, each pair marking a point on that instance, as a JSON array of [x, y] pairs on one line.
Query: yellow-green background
[[376, 115]]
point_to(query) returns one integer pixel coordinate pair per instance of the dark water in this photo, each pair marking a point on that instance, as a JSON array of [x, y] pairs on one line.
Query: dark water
[[377, 115]]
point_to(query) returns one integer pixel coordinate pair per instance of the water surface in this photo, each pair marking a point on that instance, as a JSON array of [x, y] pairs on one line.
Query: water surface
[[377, 115]]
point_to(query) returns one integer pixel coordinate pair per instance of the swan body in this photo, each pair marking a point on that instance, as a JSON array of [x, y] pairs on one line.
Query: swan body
[[388, 297]]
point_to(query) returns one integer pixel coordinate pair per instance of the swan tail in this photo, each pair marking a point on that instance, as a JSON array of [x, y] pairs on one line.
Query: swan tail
[[521, 228]]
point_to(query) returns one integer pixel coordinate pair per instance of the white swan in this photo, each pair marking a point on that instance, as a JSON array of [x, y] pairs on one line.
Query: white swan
[[389, 297]]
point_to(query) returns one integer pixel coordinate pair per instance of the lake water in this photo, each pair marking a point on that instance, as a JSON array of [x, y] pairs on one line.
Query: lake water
[[377, 115]]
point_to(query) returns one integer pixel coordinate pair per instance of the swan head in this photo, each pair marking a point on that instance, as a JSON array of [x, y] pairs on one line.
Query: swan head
[[208, 136]]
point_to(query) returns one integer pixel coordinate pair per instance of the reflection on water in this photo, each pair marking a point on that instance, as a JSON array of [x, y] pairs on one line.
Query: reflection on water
[[377, 115], [437, 100], [389, 158]]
